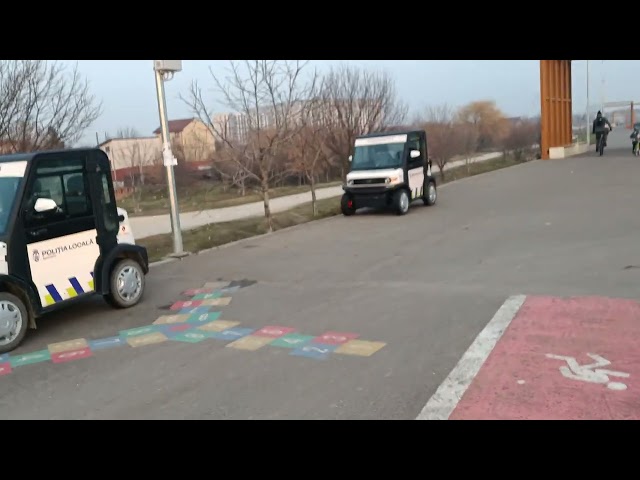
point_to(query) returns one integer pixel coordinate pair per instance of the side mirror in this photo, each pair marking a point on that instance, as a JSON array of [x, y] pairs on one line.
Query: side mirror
[[350, 157], [45, 205], [414, 153]]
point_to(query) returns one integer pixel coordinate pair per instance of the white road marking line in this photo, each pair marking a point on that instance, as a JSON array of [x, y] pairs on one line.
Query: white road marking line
[[444, 401]]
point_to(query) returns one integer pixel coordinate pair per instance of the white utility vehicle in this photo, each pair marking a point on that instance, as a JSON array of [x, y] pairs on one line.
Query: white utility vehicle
[[62, 238], [389, 170]]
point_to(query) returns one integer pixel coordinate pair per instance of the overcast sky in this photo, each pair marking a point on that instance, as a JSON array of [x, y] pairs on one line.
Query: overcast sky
[[127, 87]]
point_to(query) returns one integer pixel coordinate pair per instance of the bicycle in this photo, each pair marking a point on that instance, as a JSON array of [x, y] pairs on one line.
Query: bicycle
[[601, 145]]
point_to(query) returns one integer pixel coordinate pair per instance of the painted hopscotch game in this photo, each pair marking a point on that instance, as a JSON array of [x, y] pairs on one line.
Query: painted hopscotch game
[[546, 358], [196, 319]]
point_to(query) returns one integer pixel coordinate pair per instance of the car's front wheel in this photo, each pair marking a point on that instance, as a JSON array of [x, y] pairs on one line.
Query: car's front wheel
[[127, 284], [14, 321], [401, 202]]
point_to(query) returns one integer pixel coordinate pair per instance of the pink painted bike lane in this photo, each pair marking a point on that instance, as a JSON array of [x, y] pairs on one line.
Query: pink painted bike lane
[[548, 358]]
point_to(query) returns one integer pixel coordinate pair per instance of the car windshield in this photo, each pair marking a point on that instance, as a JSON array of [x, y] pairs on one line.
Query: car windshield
[[375, 157], [11, 175]]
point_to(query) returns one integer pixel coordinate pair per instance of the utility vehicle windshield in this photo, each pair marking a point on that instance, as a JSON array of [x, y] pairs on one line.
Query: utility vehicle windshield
[[11, 175], [377, 156]]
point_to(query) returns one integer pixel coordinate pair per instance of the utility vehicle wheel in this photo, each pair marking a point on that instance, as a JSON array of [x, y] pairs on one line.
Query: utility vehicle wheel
[[431, 194], [401, 202], [127, 284], [14, 321], [347, 205]]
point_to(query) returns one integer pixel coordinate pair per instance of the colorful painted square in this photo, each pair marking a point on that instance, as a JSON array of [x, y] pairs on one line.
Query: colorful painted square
[[207, 296], [317, 351], [170, 319], [292, 340], [4, 357], [132, 332], [30, 358], [181, 305], [362, 348], [274, 331], [198, 291], [204, 317], [194, 311], [148, 339], [192, 336], [218, 326], [5, 368], [105, 343], [68, 346], [177, 328], [335, 338], [70, 356], [250, 342], [215, 284], [232, 333], [216, 302]]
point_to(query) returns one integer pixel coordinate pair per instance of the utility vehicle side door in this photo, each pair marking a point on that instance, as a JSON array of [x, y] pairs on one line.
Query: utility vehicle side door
[[104, 203], [62, 247], [415, 166]]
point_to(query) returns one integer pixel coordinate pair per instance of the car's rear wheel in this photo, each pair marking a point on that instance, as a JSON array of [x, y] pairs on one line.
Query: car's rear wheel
[[431, 194]]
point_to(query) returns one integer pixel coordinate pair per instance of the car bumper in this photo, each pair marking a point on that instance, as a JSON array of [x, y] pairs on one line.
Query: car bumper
[[371, 197]]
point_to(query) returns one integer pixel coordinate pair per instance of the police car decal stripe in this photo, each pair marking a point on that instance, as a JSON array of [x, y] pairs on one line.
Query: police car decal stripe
[[55, 296], [73, 291], [76, 285]]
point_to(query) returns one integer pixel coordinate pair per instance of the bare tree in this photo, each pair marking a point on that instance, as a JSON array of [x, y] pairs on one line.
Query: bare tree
[[489, 121], [308, 148], [126, 132], [135, 157], [42, 107], [521, 138], [441, 135], [357, 102], [467, 136], [223, 163], [269, 95]]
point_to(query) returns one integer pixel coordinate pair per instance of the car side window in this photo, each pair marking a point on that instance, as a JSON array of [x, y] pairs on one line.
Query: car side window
[[414, 144], [111, 222], [65, 182]]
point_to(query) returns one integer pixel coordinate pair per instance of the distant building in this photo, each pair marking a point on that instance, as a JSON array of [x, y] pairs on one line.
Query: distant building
[[131, 156], [192, 137], [191, 141]]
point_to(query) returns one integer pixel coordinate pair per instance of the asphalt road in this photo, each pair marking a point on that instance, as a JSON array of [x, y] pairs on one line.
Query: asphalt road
[[424, 284]]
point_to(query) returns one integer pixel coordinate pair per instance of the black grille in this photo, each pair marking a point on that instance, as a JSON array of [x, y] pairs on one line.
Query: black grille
[[369, 181]]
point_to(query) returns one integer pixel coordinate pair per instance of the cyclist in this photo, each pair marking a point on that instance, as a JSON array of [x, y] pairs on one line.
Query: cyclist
[[635, 137], [600, 125]]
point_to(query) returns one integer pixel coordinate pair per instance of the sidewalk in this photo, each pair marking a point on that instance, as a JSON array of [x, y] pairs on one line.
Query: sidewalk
[[159, 224]]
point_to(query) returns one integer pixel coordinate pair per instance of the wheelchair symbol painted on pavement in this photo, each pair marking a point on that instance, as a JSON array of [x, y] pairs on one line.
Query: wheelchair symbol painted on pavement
[[590, 373]]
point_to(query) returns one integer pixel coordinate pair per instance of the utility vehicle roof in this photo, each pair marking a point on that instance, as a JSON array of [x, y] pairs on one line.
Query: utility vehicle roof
[[19, 157], [388, 134]]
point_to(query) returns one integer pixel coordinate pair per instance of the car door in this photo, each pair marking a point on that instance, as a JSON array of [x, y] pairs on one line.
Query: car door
[[415, 166], [62, 247]]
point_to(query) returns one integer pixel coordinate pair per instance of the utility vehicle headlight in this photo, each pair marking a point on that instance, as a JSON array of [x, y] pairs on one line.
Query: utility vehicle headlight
[[392, 180]]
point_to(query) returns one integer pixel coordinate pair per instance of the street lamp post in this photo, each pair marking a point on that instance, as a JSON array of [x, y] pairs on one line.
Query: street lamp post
[[164, 70]]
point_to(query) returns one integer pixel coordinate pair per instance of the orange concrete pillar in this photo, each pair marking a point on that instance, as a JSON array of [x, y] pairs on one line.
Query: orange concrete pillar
[[555, 105]]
